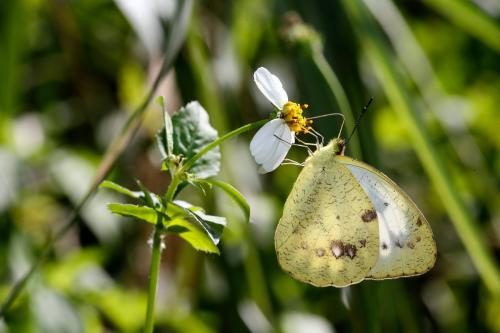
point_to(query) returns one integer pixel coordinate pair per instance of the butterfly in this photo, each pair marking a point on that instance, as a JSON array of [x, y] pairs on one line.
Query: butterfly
[[344, 222]]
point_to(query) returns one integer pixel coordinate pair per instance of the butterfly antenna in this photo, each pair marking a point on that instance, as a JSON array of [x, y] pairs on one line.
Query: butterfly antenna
[[329, 115], [365, 108]]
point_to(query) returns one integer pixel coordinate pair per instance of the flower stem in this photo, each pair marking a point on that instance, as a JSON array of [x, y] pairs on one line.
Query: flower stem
[[189, 163], [172, 188], [154, 272]]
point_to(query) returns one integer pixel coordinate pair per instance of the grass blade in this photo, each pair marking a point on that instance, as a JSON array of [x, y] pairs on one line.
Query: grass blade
[[470, 19]]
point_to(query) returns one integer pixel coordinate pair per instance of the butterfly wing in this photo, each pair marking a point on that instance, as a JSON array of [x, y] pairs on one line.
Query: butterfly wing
[[407, 245], [328, 234]]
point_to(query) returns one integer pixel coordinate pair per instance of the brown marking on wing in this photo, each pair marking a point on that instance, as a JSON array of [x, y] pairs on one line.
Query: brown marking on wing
[[350, 250], [369, 215], [337, 248]]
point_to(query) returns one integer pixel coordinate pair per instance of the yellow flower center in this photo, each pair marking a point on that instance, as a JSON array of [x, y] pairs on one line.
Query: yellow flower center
[[292, 114]]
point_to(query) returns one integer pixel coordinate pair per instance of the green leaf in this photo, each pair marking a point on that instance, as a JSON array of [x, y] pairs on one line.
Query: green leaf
[[174, 210], [148, 198], [169, 128], [191, 132], [152, 200], [231, 192], [193, 235], [164, 137], [213, 225], [144, 213], [120, 189]]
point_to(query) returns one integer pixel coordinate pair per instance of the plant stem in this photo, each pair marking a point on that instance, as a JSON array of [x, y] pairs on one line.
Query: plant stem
[[172, 188], [169, 196], [154, 272], [467, 16], [189, 163]]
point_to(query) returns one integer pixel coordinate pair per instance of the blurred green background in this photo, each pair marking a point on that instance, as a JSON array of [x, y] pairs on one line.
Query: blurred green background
[[72, 72]]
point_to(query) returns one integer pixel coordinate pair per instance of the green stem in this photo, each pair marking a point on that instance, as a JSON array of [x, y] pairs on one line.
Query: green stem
[[154, 272], [169, 196], [189, 163], [172, 188], [469, 18]]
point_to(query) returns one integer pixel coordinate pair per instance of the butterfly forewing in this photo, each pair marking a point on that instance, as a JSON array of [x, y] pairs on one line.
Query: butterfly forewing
[[406, 246], [328, 234]]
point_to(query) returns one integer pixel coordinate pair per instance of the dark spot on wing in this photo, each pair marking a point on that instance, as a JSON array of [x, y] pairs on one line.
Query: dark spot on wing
[[350, 250], [340, 249], [337, 248], [398, 244], [369, 215], [386, 204], [384, 246], [419, 222], [411, 245], [418, 239], [362, 243]]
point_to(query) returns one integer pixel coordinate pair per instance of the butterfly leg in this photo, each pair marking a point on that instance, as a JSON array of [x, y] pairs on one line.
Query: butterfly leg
[[320, 140], [303, 144], [288, 161]]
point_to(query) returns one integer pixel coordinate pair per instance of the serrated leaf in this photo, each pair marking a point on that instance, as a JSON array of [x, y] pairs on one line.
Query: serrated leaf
[[213, 225], [232, 192], [149, 198], [164, 136], [120, 189], [161, 142], [191, 132], [143, 213], [169, 130], [198, 239], [174, 210]]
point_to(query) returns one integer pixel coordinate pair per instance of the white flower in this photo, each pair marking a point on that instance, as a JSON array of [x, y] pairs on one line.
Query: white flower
[[272, 142]]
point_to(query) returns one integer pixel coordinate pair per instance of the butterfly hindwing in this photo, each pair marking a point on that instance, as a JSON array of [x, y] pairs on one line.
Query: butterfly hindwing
[[407, 245], [328, 234]]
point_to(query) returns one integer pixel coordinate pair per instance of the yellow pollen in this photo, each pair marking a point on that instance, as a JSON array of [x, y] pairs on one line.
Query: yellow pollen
[[292, 114]]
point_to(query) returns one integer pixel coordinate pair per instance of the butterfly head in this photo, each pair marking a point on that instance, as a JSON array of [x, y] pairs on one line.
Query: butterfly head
[[338, 146]]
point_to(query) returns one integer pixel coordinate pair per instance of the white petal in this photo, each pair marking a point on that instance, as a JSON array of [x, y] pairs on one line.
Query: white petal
[[285, 141], [273, 144], [262, 143], [264, 132], [260, 146], [271, 87]]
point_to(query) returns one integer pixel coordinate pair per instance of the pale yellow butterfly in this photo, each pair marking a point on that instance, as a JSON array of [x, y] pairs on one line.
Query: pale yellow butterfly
[[345, 221]]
